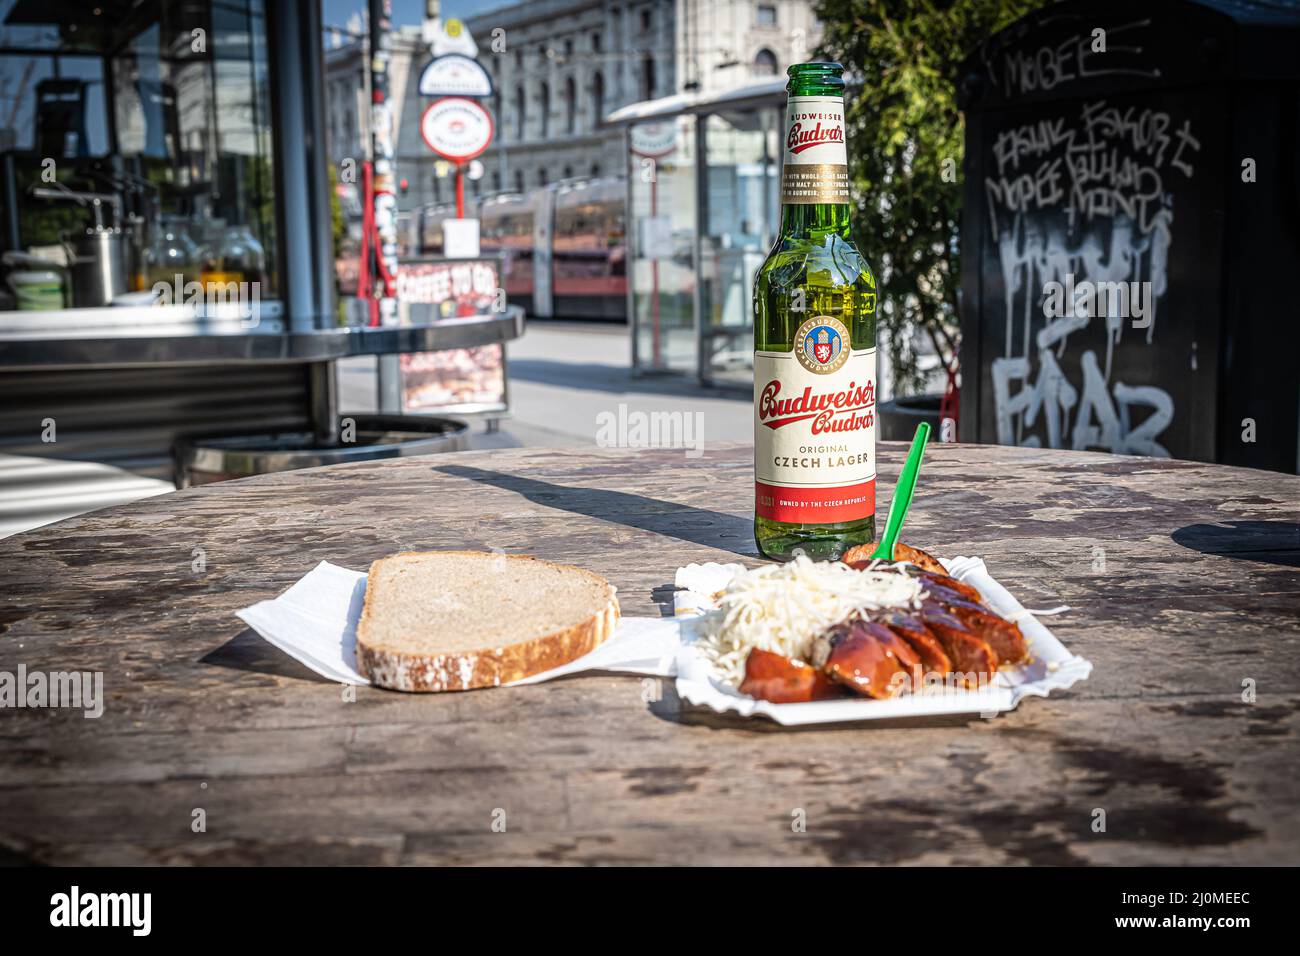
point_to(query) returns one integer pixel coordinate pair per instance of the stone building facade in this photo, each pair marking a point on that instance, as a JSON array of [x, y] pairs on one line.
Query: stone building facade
[[558, 68], [561, 66]]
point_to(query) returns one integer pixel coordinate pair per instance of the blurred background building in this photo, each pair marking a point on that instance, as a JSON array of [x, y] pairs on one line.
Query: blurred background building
[[559, 68], [566, 65]]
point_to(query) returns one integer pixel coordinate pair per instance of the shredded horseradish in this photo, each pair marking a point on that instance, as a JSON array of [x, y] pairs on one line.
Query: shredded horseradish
[[782, 607]]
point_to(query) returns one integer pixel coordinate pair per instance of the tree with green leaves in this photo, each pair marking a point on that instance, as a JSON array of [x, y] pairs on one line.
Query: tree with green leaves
[[906, 139]]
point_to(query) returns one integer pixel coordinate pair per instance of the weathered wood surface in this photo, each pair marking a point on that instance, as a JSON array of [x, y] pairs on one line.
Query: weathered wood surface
[[1185, 579]]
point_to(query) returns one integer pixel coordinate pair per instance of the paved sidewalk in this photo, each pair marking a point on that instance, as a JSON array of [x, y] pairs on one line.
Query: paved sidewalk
[[38, 491]]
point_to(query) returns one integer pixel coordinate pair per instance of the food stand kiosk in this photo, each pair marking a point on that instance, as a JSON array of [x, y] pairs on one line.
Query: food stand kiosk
[[168, 246]]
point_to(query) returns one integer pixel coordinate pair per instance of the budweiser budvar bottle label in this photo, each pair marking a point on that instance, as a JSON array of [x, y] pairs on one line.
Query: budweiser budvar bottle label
[[814, 427], [816, 166]]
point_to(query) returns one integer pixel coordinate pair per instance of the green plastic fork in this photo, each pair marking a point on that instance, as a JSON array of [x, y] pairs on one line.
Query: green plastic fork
[[902, 495]]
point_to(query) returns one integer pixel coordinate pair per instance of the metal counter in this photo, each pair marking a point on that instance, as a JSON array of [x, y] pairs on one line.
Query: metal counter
[[78, 388], [126, 347]]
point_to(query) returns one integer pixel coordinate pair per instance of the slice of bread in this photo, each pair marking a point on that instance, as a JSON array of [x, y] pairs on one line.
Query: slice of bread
[[455, 620]]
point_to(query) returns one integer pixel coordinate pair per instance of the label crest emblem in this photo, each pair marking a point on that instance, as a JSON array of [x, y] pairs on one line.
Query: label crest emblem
[[822, 344]]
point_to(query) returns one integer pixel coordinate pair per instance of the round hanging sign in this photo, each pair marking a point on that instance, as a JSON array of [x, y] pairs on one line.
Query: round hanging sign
[[454, 75], [654, 140], [456, 129]]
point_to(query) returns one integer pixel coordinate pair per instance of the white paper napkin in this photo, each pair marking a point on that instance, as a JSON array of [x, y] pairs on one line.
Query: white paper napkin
[[315, 623]]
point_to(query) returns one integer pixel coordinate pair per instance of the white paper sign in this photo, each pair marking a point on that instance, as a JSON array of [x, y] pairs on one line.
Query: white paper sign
[[656, 237], [460, 238]]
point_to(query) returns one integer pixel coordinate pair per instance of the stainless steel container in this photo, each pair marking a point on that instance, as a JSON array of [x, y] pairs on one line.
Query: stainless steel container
[[98, 261]]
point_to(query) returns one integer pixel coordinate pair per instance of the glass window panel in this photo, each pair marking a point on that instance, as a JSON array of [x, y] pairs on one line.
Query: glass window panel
[[157, 113], [42, 25], [662, 194], [742, 218]]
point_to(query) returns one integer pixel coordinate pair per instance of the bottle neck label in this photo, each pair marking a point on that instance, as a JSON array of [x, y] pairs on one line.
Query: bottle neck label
[[816, 168]]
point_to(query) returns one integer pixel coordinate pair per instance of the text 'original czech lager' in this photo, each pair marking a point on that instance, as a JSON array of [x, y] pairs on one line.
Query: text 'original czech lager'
[[814, 344]]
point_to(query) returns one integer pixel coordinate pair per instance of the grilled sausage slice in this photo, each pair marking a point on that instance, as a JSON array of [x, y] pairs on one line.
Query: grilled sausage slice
[[922, 640], [770, 676], [960, 588], [946, 595], [973, 658], [869, 658], [907, 656], [1003, 636], [924, 561], [859, 556]]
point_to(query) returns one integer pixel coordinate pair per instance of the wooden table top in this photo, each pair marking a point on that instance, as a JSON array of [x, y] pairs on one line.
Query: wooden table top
[[1185, 579]]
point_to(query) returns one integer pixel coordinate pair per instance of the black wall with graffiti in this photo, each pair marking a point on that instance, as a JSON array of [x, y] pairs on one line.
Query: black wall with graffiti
[[1131, 232]]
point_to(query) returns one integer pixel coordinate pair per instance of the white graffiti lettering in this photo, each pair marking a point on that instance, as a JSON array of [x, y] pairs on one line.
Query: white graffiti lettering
[[1081, 212]]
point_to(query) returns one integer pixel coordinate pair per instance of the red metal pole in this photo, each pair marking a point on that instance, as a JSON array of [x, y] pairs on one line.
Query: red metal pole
[[460, 191], [383, 200], [364, 264]]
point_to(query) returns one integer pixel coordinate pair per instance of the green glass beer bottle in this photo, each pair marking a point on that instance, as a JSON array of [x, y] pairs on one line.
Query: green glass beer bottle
[[814, 344]]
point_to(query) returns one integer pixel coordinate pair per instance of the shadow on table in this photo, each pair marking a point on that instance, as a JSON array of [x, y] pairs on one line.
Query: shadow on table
[[1268, 542], [712, 529], [246, 651], [672, 709]]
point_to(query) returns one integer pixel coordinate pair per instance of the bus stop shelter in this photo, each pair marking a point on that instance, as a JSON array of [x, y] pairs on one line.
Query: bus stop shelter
[[703, 171]]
